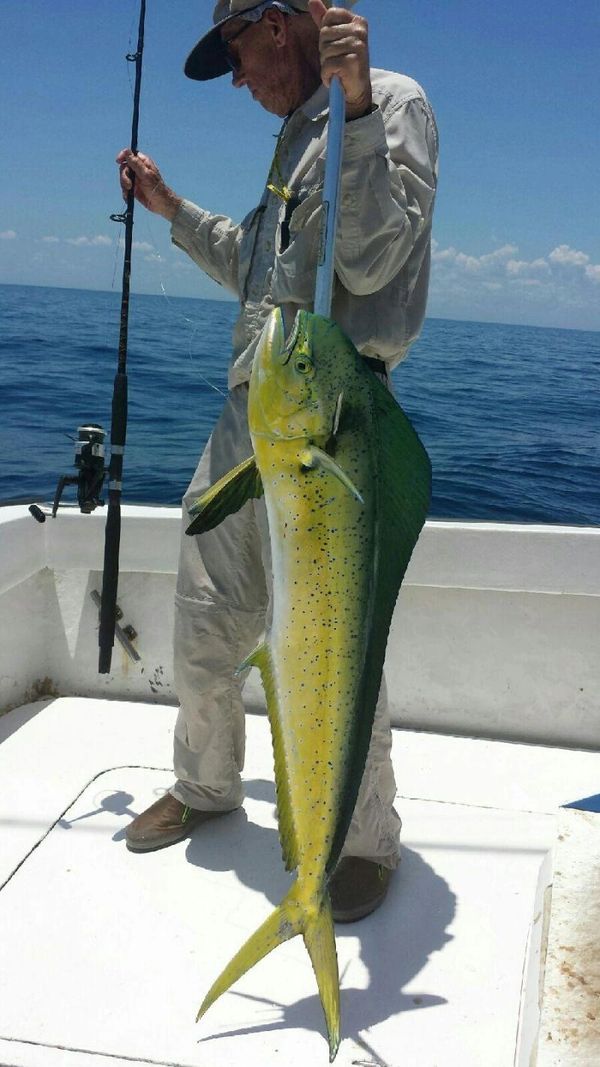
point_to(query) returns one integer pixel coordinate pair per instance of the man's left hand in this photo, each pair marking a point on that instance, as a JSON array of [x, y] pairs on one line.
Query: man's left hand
[[344, 50]]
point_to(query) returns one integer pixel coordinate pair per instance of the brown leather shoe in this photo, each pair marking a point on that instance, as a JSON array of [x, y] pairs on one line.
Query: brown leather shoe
[[163, 823], [357, 888]]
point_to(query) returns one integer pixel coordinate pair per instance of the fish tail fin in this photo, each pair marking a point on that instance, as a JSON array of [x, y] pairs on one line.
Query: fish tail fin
[[319, 938], [282, 924], [292, 917]]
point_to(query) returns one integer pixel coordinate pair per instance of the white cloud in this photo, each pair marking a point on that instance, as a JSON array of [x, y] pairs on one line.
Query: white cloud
[[473, 264], [7, 235], [446, 253], [499, 280], [182, 266], [502, 263], [470, 263], [500, 255], [568, 257], [521, 267], [137, 246], [100, 240], [51, 240]]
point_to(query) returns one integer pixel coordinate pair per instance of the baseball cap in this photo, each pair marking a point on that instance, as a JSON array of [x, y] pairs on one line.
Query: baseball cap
[[208, 57]]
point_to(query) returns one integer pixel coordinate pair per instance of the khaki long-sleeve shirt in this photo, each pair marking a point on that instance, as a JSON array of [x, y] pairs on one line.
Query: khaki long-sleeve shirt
[[382, 254]]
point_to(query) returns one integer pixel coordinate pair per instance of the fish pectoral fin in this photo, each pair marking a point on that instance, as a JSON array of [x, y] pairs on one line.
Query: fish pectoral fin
[[313, 457], [226, 496], [337, 415]]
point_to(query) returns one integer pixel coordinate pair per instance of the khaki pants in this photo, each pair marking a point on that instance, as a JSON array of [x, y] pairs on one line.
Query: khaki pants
[[221, 604]]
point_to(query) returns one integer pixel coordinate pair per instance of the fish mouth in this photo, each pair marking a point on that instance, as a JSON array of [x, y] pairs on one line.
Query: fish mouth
[[288, 346], [276, 341], [280, 347]]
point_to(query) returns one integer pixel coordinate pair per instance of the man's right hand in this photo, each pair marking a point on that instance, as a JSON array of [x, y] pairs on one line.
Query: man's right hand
[[150, 188]]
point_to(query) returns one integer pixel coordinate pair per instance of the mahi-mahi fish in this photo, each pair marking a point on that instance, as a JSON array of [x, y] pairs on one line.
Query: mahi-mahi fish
[[346, 482]]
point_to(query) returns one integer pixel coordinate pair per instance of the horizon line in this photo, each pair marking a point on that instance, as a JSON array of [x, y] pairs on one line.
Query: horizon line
[[232, 300]]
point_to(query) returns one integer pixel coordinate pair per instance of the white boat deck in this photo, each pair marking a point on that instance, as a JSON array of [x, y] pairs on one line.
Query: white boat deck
[[106, 955]]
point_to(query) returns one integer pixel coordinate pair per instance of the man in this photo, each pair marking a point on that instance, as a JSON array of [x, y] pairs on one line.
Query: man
[[286, 54]]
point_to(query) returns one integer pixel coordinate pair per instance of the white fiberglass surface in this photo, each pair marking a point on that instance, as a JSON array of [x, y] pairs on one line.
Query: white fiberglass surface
[[109, 952]]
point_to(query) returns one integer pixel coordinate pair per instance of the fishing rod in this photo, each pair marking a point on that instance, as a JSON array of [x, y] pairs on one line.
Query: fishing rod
[[112, 538]]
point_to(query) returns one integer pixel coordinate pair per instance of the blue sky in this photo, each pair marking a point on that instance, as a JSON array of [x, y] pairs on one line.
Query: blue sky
[[516, 92]]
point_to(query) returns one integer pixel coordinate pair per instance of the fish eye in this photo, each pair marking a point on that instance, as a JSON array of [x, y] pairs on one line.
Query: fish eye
[[303, 366]]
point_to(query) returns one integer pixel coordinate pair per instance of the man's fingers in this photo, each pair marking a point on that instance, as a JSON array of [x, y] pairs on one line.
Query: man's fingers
[[134, 163], [343, 46], [318, 11], [356, 31], [125, 179], [334, 40], [343, 49], [136, 160], [133, 166], [329, 16], [141, 167], [150, 188], [333, 16]]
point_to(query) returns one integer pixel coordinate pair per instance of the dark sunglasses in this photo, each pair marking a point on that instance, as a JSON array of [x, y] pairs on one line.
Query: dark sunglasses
[[232, 60]]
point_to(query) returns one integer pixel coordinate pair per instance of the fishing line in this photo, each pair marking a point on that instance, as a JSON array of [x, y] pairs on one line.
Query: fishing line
[[196, 327], [175, 313], [118, 241], [117, 249], [131, 43]]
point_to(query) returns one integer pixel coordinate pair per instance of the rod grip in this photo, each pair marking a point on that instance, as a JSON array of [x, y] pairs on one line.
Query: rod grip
[[112, 536], [110, 581]]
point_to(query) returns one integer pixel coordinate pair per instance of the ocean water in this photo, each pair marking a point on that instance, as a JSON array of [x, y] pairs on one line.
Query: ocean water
[[509, 414]]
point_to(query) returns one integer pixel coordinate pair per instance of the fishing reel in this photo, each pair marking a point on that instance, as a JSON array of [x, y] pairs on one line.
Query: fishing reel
[[91, 472]]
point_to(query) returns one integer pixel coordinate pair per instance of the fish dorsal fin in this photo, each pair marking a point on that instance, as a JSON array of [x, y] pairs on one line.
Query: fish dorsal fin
[[313, 457], [403, 494], [225, 497], [261, 658]]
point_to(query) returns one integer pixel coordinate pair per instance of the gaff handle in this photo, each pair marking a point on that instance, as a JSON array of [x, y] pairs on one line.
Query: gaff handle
[[331, 195]]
